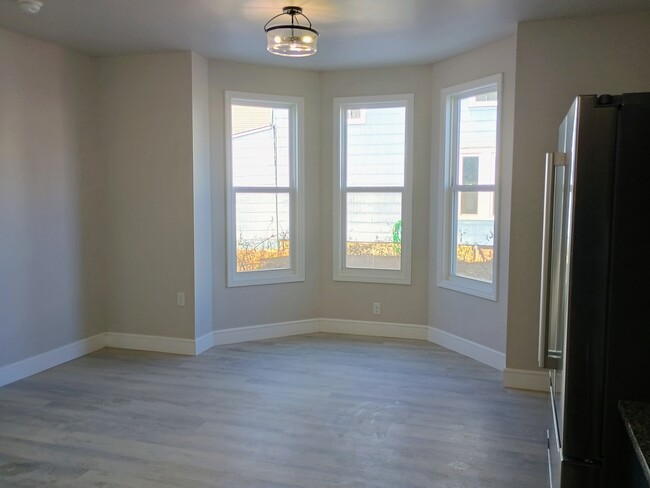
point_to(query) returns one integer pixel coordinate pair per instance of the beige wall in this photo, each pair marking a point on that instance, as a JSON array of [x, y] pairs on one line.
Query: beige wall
[[353, 301], [147, 143], [264, 304], [51, 190], [477, 319], [557, 60]]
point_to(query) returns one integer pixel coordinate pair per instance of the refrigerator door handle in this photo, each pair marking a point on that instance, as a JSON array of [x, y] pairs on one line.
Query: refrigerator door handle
[[553, 159]]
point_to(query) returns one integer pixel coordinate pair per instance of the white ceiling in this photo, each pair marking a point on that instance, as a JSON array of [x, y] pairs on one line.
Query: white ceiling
[[354, 33]]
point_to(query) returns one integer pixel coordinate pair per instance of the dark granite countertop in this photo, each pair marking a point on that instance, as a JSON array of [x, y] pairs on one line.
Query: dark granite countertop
[[636, 416]]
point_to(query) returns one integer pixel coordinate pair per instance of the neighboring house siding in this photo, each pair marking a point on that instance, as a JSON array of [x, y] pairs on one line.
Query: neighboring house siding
[[375, 153], [478, 128], [262, 156]]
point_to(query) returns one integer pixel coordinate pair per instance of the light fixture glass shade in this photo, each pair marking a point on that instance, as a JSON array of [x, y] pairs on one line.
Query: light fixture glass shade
[[294, 41], [291, 36]]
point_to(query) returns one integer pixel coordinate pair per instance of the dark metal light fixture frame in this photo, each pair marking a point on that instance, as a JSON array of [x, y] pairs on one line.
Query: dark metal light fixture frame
[[291, 39]]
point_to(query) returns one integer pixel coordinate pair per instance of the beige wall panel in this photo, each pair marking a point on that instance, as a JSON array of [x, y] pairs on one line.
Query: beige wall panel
[[52, 275], [146, 109], [477, 319], [264, 304], [556, 61], [353, 301]]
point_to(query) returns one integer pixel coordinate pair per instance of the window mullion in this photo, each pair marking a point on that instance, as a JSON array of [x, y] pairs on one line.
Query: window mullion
[[473, 188], [262, 189], [375, 189]]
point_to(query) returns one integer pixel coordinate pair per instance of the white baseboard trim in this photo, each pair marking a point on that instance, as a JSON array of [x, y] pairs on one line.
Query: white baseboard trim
[[377, 329], [455, 343], [204, 343], [523, 379], [36, 364], [171, 345], [265, 331], [531, 380], [468, 348]]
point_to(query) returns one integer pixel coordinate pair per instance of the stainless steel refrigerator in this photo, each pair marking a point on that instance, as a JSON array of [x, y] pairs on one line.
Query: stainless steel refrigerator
[[594, 320]]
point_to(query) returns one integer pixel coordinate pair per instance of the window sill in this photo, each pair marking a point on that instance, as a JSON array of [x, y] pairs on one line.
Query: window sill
[[478, 289], [278, 278], [373, 276]]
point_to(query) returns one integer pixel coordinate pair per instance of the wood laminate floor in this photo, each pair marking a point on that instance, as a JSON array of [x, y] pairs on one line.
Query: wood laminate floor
[[314, 411]]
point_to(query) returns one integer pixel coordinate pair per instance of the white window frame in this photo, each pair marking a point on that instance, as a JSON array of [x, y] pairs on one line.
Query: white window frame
[[447, 211], [367, 275], [296, 270]]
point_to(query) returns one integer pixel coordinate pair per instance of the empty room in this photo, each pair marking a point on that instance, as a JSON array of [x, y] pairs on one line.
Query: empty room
[[339, 243]]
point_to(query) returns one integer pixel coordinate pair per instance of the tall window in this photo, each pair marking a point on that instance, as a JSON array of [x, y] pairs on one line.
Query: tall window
[[372, 214], [468, 222], [264, 186]]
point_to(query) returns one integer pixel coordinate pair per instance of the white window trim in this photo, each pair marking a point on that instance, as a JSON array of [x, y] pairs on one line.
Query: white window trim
[[296, 271], [365, 275], [445, 279]]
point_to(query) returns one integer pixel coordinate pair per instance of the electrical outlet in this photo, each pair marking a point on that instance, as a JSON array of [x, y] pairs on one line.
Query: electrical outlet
[[376, 308], [180, 299]]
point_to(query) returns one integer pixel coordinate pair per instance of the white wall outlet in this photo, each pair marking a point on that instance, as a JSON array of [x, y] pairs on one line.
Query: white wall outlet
[[180, 299], [376, 308]]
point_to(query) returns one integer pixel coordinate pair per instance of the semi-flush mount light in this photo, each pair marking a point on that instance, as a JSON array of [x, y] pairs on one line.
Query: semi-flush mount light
[[30, 6], [291, 39]]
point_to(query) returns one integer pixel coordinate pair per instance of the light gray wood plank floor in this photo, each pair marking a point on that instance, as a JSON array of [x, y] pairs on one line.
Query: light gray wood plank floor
[[317, 410]]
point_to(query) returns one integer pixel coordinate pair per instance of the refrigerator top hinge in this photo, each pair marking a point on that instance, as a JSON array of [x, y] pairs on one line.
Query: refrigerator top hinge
[[607, 100], [558, 158]]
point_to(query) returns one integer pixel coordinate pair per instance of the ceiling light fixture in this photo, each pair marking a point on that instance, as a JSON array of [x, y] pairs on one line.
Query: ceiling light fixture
[[291, 39], [30, 6]]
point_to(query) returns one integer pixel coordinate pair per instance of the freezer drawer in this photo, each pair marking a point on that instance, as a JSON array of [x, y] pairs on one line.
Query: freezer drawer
[[567, 473], [576, 474]]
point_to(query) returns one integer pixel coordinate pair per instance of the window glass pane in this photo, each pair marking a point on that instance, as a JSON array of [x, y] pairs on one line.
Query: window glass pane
[[469, 176], [475, 236], [486, 97], [477, 140], [260, 146], [262, 227], [375, 149], [469, 203], [469, 170], [374, 230]]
